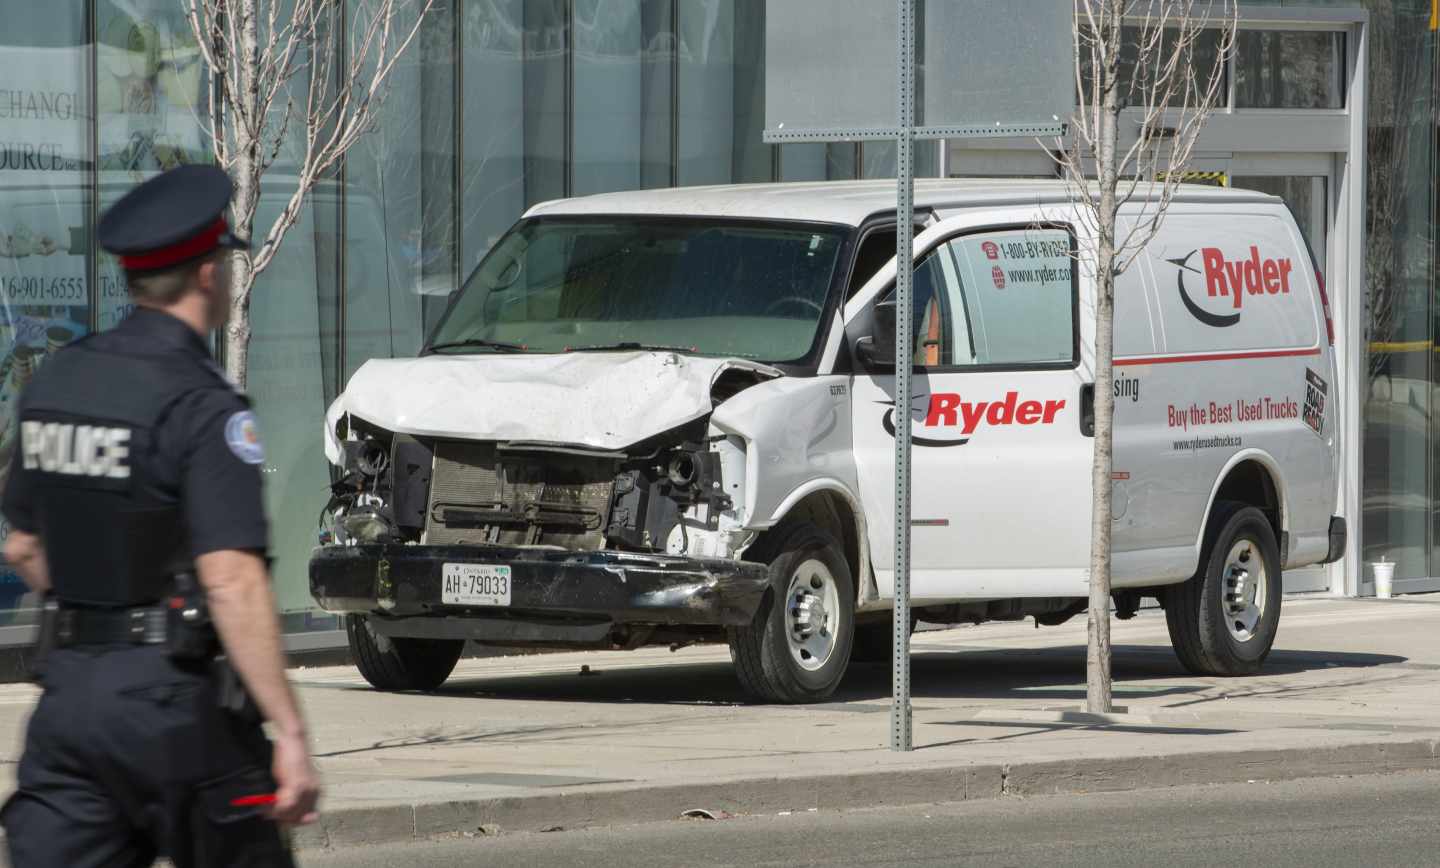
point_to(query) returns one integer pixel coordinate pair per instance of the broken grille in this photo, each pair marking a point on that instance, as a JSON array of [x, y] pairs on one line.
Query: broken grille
[[479, 494]]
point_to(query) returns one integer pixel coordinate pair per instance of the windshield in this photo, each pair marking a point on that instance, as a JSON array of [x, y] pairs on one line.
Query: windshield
[[724, 288]]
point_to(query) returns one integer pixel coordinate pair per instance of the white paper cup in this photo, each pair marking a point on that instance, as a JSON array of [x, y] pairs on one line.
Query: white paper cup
[[1384, 573]]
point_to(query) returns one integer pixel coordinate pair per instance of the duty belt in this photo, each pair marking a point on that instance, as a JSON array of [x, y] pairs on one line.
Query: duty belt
[[140, 625]]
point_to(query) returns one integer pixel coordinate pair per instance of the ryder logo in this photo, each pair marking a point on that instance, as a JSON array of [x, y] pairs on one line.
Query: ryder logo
[[1231, 280], [949, 420]]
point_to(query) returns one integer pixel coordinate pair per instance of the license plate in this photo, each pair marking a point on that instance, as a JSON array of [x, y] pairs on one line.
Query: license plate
[[475, 585]]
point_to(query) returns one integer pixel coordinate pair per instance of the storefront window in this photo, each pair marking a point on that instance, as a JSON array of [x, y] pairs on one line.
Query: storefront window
[[819, 161], [292, 315], [291, 377], [1289, 69], [1400, 432], [609, 95], [150, 92], [399, 217], [660, 71], [492, 131], [706, 31], [877, 159], [1205, 54], [546, 57], [45, 198]]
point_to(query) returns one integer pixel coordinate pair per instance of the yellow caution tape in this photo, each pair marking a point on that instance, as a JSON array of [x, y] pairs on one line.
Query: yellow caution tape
[[1213, 179], [1402, 346]]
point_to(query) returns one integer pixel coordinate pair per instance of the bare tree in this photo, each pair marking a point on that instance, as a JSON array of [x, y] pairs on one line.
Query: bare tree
[[1162, 64], [299, 77]]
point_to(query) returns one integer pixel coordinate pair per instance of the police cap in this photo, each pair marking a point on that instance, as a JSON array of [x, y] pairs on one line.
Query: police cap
[[172, 218]]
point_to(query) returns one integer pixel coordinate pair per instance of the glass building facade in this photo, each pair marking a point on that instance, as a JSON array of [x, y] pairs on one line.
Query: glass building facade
[[501, 104], [1400, 476]]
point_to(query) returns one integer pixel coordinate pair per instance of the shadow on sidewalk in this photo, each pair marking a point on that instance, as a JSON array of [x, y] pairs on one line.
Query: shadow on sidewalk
[[1056, 673]]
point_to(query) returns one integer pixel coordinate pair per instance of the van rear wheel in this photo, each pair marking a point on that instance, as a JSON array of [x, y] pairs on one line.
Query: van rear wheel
[[797, 647], [1223, 620], [400, 664]]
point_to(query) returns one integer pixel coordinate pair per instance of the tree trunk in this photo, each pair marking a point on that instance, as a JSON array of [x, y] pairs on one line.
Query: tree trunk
[[245, 173], [237, 325], [1097, 656], [246, 177]]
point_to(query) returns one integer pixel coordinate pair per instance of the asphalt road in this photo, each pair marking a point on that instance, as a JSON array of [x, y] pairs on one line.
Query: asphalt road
[[1365, 821]]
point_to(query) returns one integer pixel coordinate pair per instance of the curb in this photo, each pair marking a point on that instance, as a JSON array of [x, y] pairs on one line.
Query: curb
[[596, 806]]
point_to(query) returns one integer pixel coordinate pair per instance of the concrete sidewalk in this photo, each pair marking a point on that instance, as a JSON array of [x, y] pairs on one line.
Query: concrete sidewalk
[[539, 742]]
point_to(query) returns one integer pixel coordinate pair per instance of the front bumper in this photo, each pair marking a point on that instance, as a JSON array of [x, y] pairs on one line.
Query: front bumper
[[404, 581]]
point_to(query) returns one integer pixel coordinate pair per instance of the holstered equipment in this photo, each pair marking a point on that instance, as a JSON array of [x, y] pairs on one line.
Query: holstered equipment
[[192, 634], [181, 622], [231, 695], [45, 636]]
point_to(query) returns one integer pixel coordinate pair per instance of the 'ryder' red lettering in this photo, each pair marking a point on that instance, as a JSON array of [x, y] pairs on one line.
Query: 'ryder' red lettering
[[948, 409], [1238, 278]]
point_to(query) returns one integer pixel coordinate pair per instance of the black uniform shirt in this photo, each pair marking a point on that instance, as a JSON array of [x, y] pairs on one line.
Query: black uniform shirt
[[208, 451]]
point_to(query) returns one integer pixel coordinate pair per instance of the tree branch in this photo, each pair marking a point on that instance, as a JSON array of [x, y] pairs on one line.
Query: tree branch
[[260, 53]]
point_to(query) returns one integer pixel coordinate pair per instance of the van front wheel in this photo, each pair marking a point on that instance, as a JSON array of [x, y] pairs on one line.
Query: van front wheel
[[797, 647], [1223, 620], [400, 664]]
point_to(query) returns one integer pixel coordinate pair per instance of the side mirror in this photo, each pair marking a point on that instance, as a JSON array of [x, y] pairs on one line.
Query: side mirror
[[877, 350]]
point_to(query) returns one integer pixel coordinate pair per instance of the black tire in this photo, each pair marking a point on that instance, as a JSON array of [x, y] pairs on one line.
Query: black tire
[[400, 664], [764, 663], [874, 641], [1197, 610]]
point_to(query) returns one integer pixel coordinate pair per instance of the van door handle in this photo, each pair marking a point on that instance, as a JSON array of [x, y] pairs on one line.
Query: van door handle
[[1087, 409]]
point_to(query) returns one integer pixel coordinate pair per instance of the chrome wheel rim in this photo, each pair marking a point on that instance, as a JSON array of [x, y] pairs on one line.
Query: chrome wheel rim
[[812, 614], [1246, 590]]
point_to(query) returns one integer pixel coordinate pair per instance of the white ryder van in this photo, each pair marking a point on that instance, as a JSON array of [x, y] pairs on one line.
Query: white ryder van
[[668, 416]]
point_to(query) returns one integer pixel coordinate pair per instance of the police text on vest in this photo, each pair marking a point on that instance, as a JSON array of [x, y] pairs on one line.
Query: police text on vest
[[76, 450]]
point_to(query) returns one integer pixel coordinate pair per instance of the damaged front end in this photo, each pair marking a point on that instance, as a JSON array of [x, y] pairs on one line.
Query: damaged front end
[[665, 495], [597, 546]]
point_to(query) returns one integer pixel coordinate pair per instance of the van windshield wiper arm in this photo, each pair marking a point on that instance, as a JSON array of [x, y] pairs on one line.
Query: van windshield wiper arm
[[631, 345], [475, 343]]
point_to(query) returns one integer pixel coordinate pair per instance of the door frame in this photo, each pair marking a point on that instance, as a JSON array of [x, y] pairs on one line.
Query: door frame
[[856, 318]]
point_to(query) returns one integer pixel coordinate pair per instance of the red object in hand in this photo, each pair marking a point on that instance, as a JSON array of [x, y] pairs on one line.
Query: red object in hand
[[251, 801]]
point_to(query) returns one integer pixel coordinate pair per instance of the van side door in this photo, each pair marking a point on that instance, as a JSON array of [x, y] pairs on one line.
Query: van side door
[[1001, 454]]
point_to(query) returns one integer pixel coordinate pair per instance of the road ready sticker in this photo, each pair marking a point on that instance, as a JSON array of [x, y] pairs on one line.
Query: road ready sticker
[[1314, 412], [242, 435]]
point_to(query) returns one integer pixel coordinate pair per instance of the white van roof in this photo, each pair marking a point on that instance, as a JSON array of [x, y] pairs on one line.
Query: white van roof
[[846, 202]]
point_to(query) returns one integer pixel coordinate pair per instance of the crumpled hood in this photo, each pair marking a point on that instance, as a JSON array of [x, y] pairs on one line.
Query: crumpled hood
[[606, 400]]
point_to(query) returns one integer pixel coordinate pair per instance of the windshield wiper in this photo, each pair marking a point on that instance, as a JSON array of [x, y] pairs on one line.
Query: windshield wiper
[[631, 345], [482, 343]]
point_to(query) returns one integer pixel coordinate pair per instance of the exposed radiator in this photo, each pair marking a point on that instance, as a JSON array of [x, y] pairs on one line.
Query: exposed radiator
[[479, 494]]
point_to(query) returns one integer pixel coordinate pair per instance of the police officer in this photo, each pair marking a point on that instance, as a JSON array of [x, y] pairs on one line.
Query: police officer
[[138, 470]]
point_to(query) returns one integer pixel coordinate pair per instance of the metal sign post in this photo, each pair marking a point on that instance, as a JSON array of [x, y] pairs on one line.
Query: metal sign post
[[900, 729], [825, 73]]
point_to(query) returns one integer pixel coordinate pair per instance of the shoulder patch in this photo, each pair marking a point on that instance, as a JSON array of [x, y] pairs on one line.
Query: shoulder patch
[[242, 435]]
